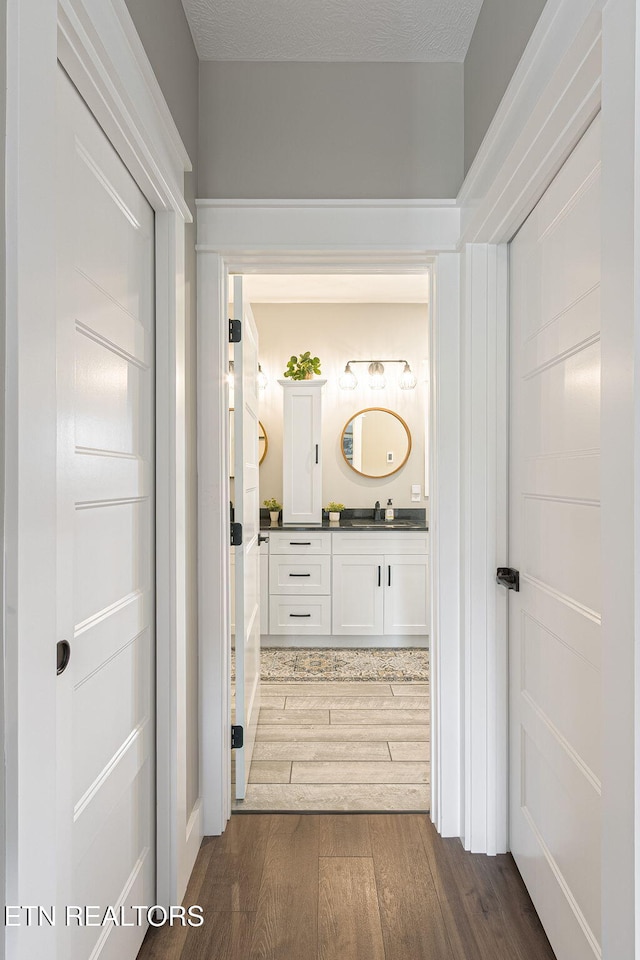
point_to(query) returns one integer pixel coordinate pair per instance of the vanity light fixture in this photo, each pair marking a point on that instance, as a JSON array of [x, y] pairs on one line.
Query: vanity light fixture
[[377, 378], [407, 378], [348, 379]]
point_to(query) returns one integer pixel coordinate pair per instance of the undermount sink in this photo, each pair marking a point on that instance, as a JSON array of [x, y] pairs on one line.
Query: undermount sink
[[386, 524]]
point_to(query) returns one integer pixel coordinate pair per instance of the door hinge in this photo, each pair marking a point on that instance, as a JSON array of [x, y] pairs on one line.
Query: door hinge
[[509, 578], [236, 534], [237, 736], [235, 331]]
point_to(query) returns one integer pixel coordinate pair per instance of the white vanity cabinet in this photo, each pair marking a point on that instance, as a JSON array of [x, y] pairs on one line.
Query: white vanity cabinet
[[349, 584], [300, 583], [381, 587], [302, 451]]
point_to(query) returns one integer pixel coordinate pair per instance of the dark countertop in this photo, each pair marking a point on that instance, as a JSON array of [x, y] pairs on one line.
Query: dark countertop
[[354, 520], [346, 525]]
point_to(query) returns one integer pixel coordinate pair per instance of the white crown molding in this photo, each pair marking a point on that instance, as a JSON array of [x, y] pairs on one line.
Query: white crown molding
[[103, 54], [557, 87], [308, 227]]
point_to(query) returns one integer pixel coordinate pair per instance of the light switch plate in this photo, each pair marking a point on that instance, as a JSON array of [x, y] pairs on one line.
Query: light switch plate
[[415, 493]]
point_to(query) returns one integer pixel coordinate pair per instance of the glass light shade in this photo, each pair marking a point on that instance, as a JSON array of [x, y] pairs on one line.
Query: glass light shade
[[407, 378], [348, 379], [377, 379], [262, 379]]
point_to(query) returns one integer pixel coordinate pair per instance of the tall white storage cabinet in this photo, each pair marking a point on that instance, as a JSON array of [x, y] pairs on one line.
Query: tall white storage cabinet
[[302, 451]]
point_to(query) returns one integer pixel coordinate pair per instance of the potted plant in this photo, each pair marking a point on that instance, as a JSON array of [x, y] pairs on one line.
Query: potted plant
[[274, 509], [334, 510], [302, 367]]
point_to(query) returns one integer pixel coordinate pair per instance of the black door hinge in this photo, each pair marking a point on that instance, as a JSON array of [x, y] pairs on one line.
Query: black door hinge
[[509, 578], [236, 534], [235, 331], [237, 736]]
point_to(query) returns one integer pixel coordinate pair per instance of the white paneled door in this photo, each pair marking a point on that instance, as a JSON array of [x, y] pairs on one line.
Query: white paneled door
[[106, 738], [247, 555], [554, 622]]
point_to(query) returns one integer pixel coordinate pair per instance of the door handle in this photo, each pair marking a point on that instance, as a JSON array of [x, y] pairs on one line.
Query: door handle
[[63, 655], [379, 575], [509, 578], [389, 575]]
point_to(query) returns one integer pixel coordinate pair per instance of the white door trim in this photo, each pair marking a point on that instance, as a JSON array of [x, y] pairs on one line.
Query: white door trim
[[286, 237], [98, 46]]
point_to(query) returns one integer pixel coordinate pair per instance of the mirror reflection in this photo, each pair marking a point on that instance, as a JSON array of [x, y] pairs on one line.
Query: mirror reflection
[[376, 442], [263, 442]]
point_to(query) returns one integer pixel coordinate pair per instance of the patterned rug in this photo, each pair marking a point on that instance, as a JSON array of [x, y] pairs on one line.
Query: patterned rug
[[286, 664]]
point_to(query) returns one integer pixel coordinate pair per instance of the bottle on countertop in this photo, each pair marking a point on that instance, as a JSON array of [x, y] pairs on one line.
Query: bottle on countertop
[[389, 512]]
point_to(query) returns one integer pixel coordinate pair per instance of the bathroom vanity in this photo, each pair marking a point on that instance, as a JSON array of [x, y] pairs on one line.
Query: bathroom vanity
[[358, 579]]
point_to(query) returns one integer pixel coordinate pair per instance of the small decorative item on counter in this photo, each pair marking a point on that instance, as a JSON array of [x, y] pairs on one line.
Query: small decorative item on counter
[[302, 367], [274, 509], [389, 513], [334, 510]]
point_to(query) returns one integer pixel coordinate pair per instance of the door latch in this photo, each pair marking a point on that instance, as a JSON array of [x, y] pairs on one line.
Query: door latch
[[236, 534], [509, 578], [237, 736]]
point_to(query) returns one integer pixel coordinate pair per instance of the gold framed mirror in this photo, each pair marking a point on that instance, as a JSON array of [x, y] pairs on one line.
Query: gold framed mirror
[[375, 442], [263, 442]]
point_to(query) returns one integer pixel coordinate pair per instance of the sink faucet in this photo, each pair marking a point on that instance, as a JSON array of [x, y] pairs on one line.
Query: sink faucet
[[377, 513]]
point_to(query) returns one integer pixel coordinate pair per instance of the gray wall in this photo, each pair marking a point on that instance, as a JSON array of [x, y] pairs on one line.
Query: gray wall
[[501, 34], [330, 130], [164, 31]]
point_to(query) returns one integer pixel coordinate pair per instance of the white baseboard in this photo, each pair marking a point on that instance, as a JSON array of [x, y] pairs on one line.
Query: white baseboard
[[360, 643]]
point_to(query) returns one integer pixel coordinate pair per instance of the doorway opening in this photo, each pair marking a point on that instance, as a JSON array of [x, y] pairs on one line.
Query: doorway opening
[[339, 719]]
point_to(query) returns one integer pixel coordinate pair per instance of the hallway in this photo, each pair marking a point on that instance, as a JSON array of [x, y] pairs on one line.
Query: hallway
[[350, 887]]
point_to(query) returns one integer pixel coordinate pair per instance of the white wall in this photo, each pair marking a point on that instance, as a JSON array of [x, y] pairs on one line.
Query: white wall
[[337, 333]]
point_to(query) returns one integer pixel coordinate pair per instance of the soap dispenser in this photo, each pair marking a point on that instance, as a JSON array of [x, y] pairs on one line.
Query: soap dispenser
[[389, 513]]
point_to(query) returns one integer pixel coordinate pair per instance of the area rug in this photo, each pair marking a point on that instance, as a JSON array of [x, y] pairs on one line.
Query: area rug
[[287, 665]]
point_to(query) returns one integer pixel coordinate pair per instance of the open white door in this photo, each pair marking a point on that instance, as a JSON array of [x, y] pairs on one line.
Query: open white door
[[554, 623], [247, 513]]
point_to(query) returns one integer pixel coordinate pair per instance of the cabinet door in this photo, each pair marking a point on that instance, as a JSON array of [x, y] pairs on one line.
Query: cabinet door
[[407, 608], [302, 452], [358, 595]]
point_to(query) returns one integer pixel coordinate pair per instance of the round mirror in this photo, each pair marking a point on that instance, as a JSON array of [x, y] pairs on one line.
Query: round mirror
[[376, 442], [263, 442]]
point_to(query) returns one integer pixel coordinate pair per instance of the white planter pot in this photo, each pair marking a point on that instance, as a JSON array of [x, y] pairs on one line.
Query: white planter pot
[[274, 514], [334, 517]]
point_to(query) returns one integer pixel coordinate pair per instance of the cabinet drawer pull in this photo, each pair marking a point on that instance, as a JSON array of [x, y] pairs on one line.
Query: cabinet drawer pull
[[299, 543], [317, 453], [299, 574], [299, 614], [379, 575], [389, 580]]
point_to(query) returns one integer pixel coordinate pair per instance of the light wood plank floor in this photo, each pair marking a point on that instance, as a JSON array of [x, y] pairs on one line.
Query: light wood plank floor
[[350, 887], [341, 747]]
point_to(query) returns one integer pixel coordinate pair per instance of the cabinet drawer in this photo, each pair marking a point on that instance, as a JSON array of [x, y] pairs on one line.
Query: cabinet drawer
[[299, 575], [291, 615], [365, 543], [304, 543]]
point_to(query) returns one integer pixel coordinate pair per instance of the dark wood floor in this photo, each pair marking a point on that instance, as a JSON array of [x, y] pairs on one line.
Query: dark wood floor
[[350, 887]]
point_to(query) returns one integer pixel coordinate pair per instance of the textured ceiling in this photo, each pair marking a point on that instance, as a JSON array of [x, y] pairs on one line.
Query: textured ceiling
[[346, 30]]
